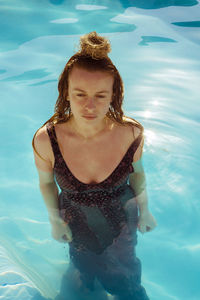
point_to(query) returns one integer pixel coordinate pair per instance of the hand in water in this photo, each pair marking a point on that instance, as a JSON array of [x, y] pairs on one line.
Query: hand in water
[[61, 231], [146, 222]]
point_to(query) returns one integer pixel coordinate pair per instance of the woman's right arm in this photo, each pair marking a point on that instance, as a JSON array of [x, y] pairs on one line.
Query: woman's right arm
[[47, 184], [43, 160]]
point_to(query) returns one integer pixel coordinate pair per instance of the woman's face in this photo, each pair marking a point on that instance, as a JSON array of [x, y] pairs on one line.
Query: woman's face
[[90, 94]]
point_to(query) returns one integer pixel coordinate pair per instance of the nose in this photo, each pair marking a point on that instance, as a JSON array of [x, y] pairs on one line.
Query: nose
[[90, 104]]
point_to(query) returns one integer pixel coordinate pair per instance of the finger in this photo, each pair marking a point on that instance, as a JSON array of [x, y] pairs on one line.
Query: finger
[[67, 239], [60, 239], [148, 228]]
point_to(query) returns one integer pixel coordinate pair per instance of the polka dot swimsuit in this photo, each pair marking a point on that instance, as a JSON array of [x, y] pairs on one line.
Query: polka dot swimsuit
[[95, 212]]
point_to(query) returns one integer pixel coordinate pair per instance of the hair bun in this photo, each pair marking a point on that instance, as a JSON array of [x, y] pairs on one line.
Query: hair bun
[[94, 45]]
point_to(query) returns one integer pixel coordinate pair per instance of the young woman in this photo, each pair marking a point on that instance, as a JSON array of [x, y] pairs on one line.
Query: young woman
[[93, 153]]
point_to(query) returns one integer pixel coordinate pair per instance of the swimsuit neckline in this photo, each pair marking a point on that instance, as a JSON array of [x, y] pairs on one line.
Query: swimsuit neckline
[[107, 178]]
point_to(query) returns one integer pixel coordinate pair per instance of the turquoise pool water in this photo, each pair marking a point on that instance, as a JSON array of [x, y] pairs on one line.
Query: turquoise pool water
[[156, 48]]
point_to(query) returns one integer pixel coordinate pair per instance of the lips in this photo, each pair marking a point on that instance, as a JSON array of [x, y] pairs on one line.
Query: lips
[[89, 116]]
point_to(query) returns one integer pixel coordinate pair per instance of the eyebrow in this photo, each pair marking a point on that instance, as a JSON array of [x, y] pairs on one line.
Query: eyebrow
[[77, 89]]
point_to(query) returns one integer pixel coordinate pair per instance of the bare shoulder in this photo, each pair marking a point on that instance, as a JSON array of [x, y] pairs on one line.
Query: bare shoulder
[[132, 127], [135, 130], [42, 142], [41, 134], [42, 150]]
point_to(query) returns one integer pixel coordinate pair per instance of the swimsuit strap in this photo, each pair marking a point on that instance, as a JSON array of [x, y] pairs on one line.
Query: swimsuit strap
[[53, 139]]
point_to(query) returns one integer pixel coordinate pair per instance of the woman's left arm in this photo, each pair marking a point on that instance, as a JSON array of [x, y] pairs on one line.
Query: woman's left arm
[[137, 182]]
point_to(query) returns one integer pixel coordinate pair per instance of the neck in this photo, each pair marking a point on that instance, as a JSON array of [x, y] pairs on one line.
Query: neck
[[88, 131]]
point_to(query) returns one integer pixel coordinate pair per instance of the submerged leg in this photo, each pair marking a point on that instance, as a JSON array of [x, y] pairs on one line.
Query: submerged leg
[[121, 275], [124, 286], [79, 286]]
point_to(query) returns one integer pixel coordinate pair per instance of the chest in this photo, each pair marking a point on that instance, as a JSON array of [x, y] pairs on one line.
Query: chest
[[93, 162]]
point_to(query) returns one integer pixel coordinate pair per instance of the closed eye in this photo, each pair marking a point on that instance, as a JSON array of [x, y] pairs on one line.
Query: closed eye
[[82, 95]]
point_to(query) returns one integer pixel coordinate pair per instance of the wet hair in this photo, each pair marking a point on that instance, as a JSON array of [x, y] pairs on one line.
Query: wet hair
[[92, 56]]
